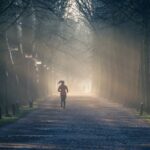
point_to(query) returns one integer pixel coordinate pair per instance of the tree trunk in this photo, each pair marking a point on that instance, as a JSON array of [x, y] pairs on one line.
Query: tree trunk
[[145, 65]]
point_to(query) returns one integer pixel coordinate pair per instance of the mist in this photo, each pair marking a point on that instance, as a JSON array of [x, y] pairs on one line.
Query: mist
[[75, 74], [97, 52]]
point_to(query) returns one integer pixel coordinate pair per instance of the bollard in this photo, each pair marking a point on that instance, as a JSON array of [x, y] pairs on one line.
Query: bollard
[[0, 113], [31, 104], [6, 111], [141, 108], [14, 109], [17, 108]]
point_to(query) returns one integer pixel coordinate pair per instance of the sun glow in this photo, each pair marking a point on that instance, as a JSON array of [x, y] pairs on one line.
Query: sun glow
[[72, 11], [75, 63]]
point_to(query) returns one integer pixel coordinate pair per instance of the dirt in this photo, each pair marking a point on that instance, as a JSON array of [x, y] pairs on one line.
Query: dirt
[[86, 124]]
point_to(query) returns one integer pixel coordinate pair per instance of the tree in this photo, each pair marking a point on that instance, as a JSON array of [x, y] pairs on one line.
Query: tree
[[21, 21], [110, 13]]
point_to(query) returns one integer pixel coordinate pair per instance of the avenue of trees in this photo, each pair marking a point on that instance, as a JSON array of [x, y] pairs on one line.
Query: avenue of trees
[[125, 59], [24, 63], [29, 30]]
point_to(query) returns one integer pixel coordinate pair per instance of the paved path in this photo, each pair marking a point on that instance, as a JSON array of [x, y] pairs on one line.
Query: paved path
[[86, 124]]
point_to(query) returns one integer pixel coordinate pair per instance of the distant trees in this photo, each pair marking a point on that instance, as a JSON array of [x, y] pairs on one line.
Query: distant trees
[[28, 30]]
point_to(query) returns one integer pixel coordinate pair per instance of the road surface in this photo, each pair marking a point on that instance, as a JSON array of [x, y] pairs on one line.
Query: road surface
[[86, 124]]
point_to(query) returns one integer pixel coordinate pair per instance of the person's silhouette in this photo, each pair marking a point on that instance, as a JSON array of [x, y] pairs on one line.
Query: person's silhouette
[[63, 89]]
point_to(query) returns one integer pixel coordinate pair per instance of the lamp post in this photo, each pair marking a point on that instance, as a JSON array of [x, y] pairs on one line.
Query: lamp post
[[45, 80], [47, 69], [29, 59], [32, 78], [37, 64], [6, 94], [0, 113]]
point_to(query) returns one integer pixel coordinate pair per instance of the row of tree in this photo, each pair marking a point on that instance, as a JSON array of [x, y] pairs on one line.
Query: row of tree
[[25, 62], [30, 33], [128, 20]]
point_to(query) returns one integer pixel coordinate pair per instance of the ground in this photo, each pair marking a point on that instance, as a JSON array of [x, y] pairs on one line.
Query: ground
[[86, 124]]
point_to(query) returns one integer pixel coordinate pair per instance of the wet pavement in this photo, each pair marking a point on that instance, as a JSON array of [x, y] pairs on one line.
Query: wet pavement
[[86, 124]]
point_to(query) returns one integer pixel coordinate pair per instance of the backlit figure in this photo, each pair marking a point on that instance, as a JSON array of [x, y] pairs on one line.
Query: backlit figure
[[63, 89]]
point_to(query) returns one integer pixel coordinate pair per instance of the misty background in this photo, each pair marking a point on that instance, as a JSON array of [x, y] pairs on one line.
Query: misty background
[[99, 47]]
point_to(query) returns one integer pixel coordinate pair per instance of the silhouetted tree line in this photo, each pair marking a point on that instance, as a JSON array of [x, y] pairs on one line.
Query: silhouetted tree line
[[24, 64], [130, 16], [120, 56]]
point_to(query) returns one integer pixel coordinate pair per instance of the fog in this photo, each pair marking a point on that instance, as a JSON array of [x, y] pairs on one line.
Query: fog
[[105, 63], [72, 58], [92, 46]]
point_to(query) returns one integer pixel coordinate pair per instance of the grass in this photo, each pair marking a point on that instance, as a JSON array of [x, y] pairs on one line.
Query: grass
[[24, 110], [146, 116], [7, 120]]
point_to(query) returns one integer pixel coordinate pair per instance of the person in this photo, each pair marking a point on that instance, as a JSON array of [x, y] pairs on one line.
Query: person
[[63, 89]]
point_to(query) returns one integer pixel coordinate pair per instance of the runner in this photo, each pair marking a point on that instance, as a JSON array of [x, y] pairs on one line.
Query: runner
[[63, 89]]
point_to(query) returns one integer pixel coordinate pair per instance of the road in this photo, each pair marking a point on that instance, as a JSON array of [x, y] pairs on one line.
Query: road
[[86, 124]]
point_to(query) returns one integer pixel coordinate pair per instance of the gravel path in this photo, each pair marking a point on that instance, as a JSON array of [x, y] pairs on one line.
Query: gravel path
[[86, 124]]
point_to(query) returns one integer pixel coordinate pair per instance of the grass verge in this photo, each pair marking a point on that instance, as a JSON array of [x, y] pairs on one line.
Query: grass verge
[[24, 110]]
